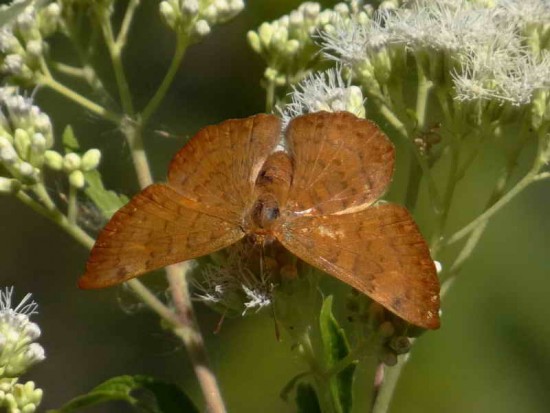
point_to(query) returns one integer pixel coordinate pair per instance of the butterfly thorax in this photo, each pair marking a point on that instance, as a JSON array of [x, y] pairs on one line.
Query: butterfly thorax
[[271, 190]]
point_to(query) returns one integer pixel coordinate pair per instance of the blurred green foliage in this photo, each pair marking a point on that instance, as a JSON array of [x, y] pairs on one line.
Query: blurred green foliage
[[492, 353]]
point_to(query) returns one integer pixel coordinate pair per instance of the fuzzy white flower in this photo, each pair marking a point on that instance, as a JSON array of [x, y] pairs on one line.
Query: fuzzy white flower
[[323, 91], [18, 352], [350, 39], [526, 11], [511, 78], [234, 287]]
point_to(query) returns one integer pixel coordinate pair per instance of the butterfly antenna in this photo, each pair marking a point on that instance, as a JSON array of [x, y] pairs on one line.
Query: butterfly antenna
[[220, 323], [275, 322], [262, 260]]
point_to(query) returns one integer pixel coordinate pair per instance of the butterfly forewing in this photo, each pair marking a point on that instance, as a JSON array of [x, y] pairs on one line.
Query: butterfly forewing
[[379, 251], [219, 165], [158, 227], [341, 163]]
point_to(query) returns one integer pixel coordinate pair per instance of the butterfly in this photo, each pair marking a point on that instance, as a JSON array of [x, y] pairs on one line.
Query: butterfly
[[316, 195]]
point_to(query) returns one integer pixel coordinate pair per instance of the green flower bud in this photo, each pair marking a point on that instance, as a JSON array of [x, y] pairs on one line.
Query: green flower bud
[[271, 74], [202, 28], [90, 160], [53, 160], [169, 14], [22, 143], [35, 48], [9, 186], [76, 179], [27, 170], [292, 46], [279, 38], [265, 33], [24, 398], [254, 41], [71, 162], [190, 8]]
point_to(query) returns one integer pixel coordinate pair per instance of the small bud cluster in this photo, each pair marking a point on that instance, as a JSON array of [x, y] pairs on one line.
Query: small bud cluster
[[195, 18], [73, 164], [324, 91], [287, 44], [22, 43], [25, 136], [394, 334], [18, 352], [233, 287]]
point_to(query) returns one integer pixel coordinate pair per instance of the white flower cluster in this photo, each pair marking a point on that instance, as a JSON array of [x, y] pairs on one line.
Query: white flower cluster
[[232, 287], [22, 41], [287, 44], [26, 139], [323, 91], [479, 43], [196, 17], [18, 352], [25, 135]]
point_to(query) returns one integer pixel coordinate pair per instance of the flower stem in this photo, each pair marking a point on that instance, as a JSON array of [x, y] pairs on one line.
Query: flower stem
[[187, 329], [56, 216], [72, 210], [415, 169], [115, 51], [132, 132], [269, 96], [122, 36], [70, 94], [391, 377], [157, 98]]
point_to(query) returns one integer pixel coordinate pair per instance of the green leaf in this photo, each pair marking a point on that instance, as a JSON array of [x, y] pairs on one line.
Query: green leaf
[[70, 143], [167, 397], [336, 347], [306, 399], [285, 392], [107, 201]]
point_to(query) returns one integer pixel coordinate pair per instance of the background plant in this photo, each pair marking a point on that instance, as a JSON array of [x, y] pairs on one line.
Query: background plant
[[395, 101]]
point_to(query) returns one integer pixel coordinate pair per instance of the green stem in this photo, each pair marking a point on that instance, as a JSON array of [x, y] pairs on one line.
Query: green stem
[[132, 132], [79, 99], [157, 98], [391, 377], [56, 216], [520, 186], [498, 198], [269, 96], [415, 169], [72, 210], [115, 51], [392, 118], [122, 36], [77, 72], [188, 331], [324, 393]]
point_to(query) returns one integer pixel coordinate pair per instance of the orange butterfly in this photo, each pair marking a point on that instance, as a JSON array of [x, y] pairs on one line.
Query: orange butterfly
[[315, 198]]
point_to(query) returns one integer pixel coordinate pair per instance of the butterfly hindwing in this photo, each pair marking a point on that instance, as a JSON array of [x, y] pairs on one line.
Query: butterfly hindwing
[[379, 251]]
